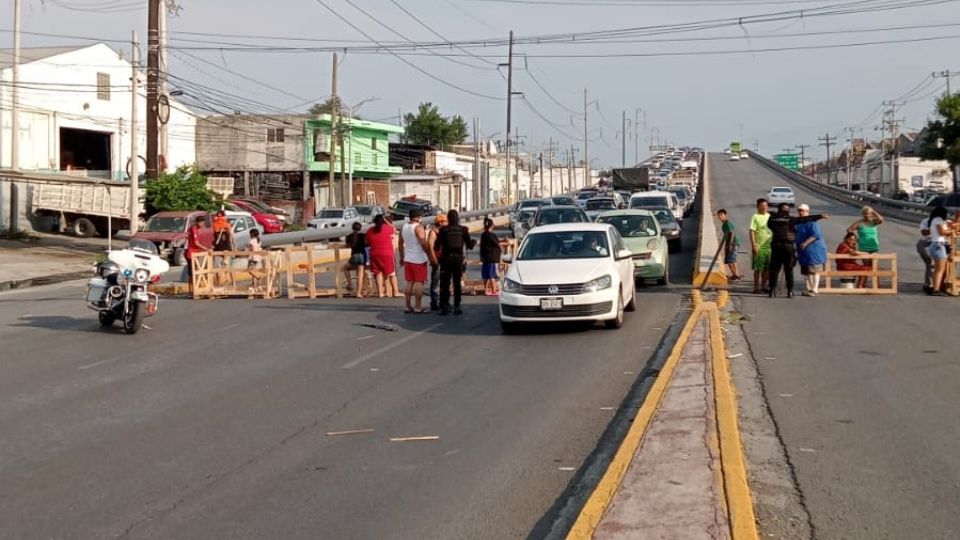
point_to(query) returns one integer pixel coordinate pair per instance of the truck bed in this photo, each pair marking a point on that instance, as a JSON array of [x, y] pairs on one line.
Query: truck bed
[[83, 199]]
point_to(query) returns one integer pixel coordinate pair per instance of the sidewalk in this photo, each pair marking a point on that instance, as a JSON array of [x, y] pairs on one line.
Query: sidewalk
[[45, 259], [679, 471]]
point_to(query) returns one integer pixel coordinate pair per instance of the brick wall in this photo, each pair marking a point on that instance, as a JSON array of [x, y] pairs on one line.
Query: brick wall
[[380, 188]]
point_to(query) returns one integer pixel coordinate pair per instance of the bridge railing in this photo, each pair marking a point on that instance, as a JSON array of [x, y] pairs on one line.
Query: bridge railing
[[902, 210]]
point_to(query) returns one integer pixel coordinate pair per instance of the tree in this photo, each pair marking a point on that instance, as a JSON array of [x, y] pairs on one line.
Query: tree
[[322, 108], [183, 189], [428, 127], [943, 135]]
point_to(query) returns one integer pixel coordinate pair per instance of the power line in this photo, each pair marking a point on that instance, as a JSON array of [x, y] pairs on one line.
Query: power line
[[404, 60], [438, 34]]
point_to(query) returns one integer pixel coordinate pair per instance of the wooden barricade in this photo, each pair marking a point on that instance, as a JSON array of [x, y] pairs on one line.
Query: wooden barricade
[[508, 246], [850, 278], [303, 261], [218, 274], [953, 268]]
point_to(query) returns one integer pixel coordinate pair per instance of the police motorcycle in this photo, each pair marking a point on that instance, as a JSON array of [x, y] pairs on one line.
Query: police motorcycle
[[119, 292]]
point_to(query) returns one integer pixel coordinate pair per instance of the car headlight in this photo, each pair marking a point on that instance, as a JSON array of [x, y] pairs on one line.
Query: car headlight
[[141, 275], [598, 284], [653, 244], [511, 286]]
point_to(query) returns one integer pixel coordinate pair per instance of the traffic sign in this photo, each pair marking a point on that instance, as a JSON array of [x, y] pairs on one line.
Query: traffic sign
[[788, 161]]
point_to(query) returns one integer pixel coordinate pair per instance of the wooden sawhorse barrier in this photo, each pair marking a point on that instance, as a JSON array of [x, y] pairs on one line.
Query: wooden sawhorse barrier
[[303, 261], [874, 274], [227, 278], [953, 268]]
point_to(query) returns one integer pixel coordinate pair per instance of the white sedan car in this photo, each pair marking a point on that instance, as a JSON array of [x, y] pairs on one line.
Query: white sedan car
[[778, 195], [569, 272]]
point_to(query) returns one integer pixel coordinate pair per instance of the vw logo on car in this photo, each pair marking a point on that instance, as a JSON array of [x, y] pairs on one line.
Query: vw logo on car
[[553, 289]]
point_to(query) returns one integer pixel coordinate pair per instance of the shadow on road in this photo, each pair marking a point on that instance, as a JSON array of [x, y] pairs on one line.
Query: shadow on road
[[57, 322]]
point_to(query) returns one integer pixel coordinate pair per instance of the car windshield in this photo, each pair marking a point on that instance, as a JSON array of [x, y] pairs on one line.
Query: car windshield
[[166, 224], [680, 193], [525, 215], [365, 210], [663, 215], [405, 206], [565, 245], [258, 205], [330, 214], [782, 190], [632, 226], [560, 215], [532, 204], [601, 204], [563, 201], [648, 202], [586, 195]]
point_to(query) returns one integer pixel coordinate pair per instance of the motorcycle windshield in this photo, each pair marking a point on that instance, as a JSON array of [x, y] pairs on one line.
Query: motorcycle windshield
[[140, 244]]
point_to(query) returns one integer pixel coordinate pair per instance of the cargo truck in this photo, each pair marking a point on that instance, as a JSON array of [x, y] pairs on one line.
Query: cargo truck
[[86, 209]]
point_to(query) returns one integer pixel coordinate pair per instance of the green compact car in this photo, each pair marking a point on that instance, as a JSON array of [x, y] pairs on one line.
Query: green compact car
[[641, 233]]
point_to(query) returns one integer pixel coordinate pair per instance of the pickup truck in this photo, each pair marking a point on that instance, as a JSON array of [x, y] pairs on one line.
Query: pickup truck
[[84, 209], [168, 230]]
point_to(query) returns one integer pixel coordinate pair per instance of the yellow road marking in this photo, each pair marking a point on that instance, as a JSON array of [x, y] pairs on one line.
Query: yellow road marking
[[743, 524]]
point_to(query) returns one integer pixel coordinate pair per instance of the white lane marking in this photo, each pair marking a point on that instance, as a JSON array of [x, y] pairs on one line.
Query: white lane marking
[[565, 469], [100, 363], [231, 327], [381, 350], [364, 338], [349, 432], [415, 439], [608, 408]]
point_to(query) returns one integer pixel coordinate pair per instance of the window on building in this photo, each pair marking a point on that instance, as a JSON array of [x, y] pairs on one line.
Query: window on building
[[103, 86], [357, 158], [375, 159], [275, 135], [373, 144]]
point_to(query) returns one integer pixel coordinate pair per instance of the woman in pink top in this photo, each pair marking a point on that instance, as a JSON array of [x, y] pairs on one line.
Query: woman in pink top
[[382, 259]]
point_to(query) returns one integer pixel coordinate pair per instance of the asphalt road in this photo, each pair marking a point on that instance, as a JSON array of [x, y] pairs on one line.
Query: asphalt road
[[863, 391], [214, 421]]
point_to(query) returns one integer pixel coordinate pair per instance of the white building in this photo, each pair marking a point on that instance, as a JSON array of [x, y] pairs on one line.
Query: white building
[[75, 109]]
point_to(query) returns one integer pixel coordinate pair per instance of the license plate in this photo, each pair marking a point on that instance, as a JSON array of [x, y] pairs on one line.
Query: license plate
[[551, 304]]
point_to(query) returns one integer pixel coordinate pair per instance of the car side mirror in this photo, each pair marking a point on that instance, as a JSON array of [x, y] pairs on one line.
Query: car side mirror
[[624, 254], [507, 259], [526, 225]]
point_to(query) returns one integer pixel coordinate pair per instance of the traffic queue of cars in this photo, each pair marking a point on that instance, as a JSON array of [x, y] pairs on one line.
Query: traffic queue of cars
[[580, 259]]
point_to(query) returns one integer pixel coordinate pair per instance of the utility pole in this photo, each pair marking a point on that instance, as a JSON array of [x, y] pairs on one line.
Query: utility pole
[[516, 142], [345, 197], [623, 137], [153, 88], [573, 163], [476, 166], [803, 154], [586, 142], [553, 190], [946, 74], [134, 127], [162, 30], [540, 191], [334, 106], [15, 117], [509, 113], [827, 141]]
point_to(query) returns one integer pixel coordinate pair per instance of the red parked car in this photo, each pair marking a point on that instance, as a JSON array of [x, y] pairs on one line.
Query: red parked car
[[270, 222]]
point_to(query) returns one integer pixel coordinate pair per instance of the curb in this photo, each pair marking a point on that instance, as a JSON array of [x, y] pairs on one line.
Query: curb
[[733, 472], [743, 521], [718, 277], [599, 501]]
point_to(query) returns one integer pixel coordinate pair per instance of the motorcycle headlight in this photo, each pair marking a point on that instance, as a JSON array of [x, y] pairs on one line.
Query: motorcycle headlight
[[598, 284], [141, 275], [511, 286]]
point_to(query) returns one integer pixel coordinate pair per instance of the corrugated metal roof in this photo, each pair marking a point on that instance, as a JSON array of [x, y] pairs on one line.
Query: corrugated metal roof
[[32, 54]]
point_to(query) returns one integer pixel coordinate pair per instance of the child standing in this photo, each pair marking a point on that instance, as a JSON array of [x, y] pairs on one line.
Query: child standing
[[255, 263], [490, 259]]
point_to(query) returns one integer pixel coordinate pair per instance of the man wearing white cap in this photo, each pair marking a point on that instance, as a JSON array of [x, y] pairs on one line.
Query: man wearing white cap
[[783, 245]]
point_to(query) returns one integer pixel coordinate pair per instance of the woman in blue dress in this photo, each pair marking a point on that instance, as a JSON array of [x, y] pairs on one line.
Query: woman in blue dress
[[811, 252]]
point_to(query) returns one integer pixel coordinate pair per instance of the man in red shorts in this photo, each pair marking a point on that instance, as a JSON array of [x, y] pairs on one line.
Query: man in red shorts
[[415, 256]]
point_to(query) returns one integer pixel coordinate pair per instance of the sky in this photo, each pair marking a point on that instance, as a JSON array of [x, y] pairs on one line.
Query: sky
[[698, 87]]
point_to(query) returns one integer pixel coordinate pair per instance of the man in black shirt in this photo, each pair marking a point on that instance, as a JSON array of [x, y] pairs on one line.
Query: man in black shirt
[[783, 245], [451, 242]]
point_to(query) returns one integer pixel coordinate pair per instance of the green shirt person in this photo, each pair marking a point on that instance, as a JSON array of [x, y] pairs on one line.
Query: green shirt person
[[730, 244], [868, 241], [760, 236]]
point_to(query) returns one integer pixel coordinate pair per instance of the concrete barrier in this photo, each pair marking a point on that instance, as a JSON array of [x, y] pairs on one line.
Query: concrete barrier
[[709, 241]]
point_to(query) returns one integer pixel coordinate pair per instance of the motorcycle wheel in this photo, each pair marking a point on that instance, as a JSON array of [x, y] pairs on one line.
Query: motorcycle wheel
[[133, 320], [106, 318]]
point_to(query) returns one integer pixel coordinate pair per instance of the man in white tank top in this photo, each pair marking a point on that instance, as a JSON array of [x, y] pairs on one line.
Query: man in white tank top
[[415, 255]]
